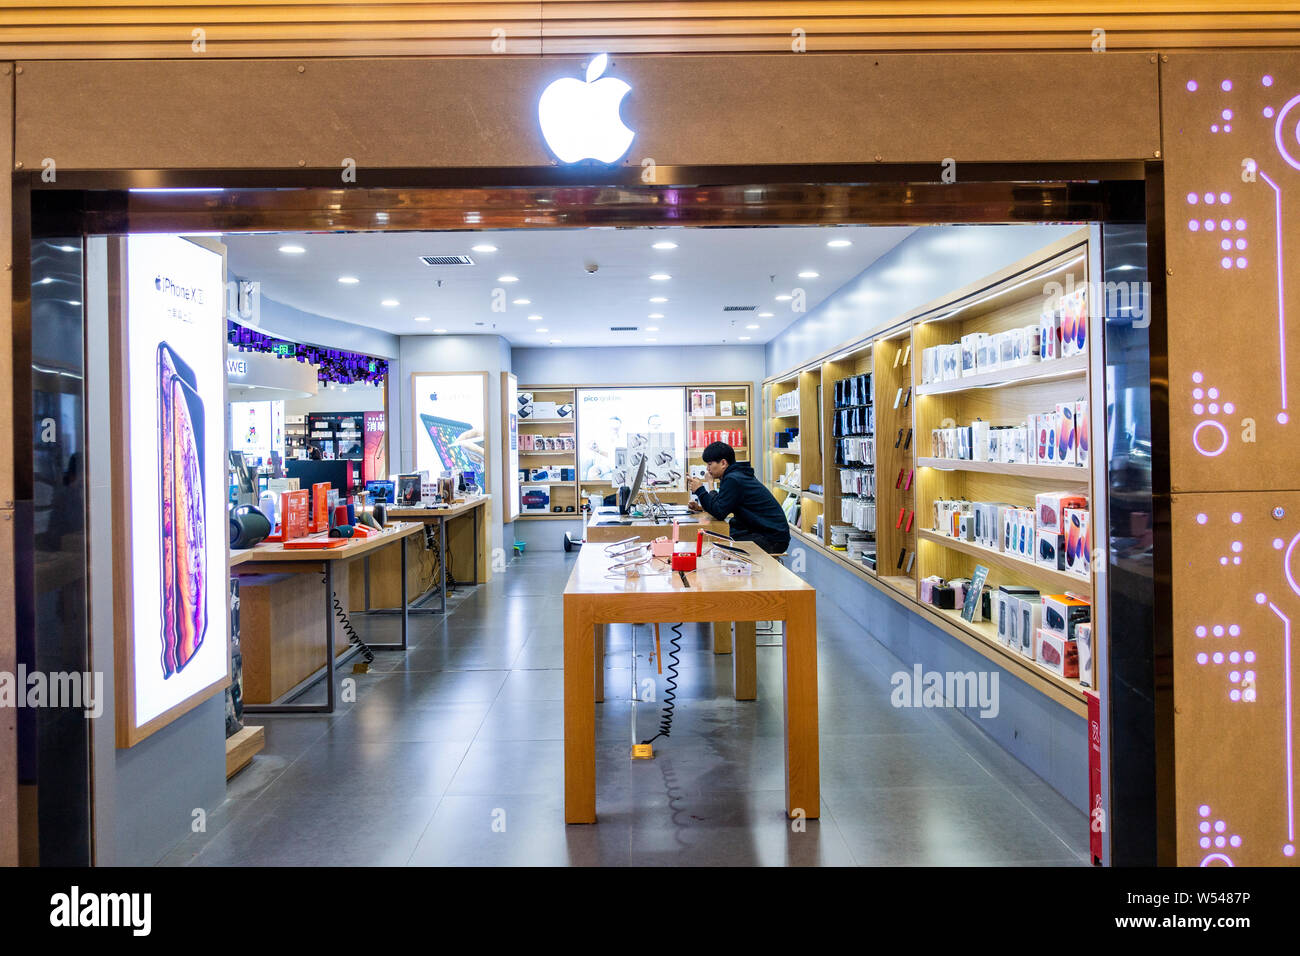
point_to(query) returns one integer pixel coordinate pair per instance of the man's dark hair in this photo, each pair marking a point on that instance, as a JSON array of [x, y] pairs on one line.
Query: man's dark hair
[[719, 451]]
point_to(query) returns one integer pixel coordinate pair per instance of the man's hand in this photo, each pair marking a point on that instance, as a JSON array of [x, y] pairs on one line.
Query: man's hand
[[694, 505], [692, 483]]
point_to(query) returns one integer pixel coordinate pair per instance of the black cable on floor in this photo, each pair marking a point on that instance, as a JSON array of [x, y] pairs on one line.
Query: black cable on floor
[[670, 695], [353, 637]]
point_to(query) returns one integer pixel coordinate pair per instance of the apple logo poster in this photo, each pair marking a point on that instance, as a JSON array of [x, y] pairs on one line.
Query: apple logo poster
[[580, 119]]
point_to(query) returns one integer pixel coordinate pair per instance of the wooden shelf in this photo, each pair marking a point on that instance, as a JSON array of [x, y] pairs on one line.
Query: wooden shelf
[[718, 418], [530, 515], [786, 415], [986, 632], [785, 451], [737, 448], [1070, 474], [544, 421], [1062, 579], [568, 452], [814, 495], [904, 584], [1075, 365]]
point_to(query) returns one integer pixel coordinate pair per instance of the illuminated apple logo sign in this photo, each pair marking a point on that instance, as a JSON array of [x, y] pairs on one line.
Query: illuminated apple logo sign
[[580, 119]]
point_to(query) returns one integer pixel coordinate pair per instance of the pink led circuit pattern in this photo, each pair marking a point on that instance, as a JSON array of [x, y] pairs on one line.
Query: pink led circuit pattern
[[1210, 213], [1210, 436], [1224, 647], [1214, 836]]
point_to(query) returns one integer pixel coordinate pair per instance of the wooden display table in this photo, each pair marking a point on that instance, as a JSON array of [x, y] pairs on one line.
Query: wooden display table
[[592, 600], [462, 530], [278, 658]]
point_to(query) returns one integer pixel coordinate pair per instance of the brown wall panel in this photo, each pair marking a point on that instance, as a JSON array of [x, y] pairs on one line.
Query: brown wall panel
[[1234, 312], [1236, 758], [724, 110], [86, 29], [8, 647]]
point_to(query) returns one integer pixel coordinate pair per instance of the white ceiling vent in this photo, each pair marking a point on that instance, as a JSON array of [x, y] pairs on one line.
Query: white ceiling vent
[[739, 308], [622, 328], [447, 260]]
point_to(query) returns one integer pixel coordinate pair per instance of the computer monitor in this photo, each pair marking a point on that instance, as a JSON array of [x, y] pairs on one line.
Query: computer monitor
[[636, 487]]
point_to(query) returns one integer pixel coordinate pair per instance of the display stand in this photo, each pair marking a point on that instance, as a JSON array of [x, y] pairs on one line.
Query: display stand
[[911, 478]]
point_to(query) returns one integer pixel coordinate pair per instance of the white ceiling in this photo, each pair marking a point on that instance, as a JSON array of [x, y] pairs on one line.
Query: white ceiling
[[710, 268]]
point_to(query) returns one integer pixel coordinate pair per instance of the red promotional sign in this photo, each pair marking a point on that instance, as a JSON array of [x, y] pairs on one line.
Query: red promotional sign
[[1096, 807], [374, 465]]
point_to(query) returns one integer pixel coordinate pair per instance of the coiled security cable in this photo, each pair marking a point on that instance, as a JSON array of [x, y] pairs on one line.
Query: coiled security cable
[[353, 637], [670, 695]]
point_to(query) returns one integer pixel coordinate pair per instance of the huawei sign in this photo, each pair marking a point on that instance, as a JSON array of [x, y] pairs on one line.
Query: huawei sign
[[580, 119]]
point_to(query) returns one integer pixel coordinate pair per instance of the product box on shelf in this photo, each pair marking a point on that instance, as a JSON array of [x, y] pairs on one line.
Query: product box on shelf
[[1062, 613], [1050, 507], [1078, 541], [1083, 645], [1049, 334], [543, 474], [1031, 618], [1074, 322], [1065, 438], [1058, 654], [986, 353], [1050, 552], [535, 499], [969, 353], [545, 410], [1081, 437]]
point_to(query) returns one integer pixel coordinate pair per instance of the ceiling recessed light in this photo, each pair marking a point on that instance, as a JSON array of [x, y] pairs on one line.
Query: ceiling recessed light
[[652, 340], [784, 298], [658, 299], [765, 315], [534, 318], [522, 301], [655, 315], [555, 341], [73, 302], [665, 244], [661, 277], [507, 278], [652, 328], [66, 248], [543, 330], [808, 274], [744, 338], [751, 326], [421, 318], [484, 247], [390, 303], [839, 244], [292, 250], [439, 331], [349, 280]]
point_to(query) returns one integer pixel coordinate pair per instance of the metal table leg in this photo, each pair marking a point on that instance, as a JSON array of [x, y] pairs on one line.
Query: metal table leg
[[328, 706], [405, 609], [442, 562]]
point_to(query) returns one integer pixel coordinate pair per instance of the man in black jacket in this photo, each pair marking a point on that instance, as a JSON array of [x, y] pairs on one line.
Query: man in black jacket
[[755, 514]]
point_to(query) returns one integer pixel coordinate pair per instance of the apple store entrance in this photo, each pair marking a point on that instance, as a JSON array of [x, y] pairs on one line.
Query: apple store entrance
[[556, 258]]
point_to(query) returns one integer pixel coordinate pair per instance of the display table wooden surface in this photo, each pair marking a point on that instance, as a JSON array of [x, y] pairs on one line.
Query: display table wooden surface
[[593, 599], [462, 532], [269, 560]]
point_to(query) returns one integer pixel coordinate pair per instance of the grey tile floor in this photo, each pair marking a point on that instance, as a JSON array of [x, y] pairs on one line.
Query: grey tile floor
[[452, 754]]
